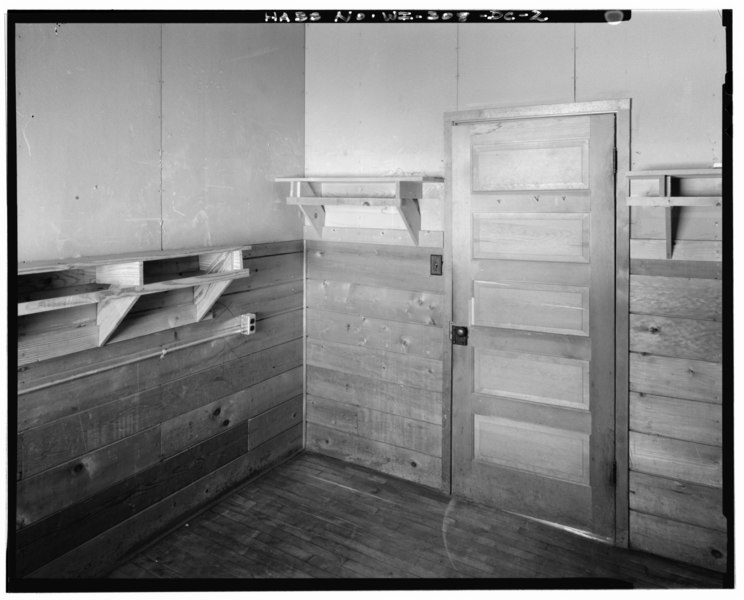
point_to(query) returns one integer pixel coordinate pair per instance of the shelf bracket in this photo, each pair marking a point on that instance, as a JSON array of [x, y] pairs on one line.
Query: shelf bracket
[[111, 311], [315, 215], [215, 262]]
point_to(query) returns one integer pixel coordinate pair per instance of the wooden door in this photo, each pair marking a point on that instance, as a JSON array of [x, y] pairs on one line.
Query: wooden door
[[533, 259]]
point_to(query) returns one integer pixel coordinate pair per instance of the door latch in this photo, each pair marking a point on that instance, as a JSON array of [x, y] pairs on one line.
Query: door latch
[[459, 335]]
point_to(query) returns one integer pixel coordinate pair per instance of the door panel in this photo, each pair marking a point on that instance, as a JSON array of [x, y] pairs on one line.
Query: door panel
[[533, 278]]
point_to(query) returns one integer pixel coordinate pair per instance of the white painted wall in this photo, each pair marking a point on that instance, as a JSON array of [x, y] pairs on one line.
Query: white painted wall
[[89, 118], [377, 93], [233, 120], [88, 122]]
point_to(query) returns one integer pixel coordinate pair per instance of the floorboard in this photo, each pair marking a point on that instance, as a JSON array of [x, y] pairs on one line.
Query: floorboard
[[317, 517]]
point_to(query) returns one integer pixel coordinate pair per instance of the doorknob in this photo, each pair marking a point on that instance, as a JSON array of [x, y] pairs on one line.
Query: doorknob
[[459, 335]]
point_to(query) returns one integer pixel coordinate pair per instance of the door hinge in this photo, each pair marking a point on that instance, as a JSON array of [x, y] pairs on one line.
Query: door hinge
[[613, 474], [614, 160]]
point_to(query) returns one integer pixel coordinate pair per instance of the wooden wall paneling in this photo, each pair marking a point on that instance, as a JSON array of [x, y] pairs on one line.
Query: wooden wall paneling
[[677, 500], [675, 418], [677, 459], [195, 426], [384, 266], [34, 346], [676, 377], [372, 301], [681, 541], [374, 355], [115, 420], [391, 459], [389, 397], [676, 297], [38, 407], [98, 555], [103, 433], [675, 268], [694, 223], [67, 528], [70, 482], [368, 332], [410, 370], [683, 250], [376, 425], [265, 302], [675, 337]]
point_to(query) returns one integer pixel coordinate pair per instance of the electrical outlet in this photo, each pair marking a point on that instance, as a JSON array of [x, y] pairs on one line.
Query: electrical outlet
[[248, 324], [435, 263]]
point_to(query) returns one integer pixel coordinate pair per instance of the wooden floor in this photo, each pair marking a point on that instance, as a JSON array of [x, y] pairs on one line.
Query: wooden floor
[[316, 517]]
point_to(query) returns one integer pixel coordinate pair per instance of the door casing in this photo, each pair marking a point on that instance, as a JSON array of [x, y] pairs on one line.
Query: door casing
[[621, 109]]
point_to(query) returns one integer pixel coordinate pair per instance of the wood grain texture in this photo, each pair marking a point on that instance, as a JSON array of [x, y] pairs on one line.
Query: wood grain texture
[[68, 437], [109, 433], [691, 223], [514, 340], [375, 302], [46, 405], [266, 302], [73, 481], [674, 418], [689, 543], [688, 298], [393, 460], [676, 268], [535, 449], [676, 378], [376, 425], [692, 251], [676, 459], [193, 427], [682, 501], [64, 530], [675, 337], [47, 266], [389, 397], [368, 332], [409, 370], [384, 266], [99, 555], [553, 237], [317, 516]]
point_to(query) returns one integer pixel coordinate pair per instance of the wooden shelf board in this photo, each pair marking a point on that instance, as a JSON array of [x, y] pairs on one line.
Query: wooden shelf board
[[49, 266], [667, 201], [680, 173], [380, 179], [338, 201], [61, 302]]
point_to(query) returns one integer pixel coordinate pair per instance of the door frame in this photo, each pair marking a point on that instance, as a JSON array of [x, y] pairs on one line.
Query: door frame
[[621, 109]]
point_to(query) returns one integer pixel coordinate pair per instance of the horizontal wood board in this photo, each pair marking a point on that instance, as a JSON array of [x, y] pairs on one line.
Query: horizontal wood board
[[676, 394], [374, 349], [107, 435]]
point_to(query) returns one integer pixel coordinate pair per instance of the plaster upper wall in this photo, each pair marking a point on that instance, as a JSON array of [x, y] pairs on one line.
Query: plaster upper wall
[[672, 65], [377, 93], [233, 120], [88, 143], [89, 110]]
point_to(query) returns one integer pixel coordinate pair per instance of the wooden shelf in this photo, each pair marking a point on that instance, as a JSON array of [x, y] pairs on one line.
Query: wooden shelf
[[123, 279], [403, 194], [674, 201], [665, 199]]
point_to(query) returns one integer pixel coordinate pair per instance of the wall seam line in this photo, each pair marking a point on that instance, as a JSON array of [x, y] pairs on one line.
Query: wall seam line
[[574, 62], [162, 116]]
